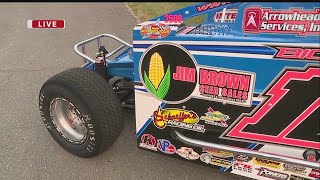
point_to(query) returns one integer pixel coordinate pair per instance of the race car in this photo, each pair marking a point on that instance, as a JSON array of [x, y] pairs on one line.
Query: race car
[[229, 85]]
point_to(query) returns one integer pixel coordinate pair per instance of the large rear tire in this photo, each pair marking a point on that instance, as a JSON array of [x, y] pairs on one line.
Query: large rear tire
[[81, 111]]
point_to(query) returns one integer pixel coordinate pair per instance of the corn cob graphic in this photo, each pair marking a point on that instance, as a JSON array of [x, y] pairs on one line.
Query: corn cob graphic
[[157, 83], [156, 71]]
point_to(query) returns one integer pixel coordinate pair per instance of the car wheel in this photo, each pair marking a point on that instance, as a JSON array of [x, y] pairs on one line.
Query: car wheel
[[81, 111]]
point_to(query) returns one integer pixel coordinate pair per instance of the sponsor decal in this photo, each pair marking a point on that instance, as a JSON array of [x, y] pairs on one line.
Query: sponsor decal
[[164, 77], [165, 146], [295, 177], [264, 172], [181, 118], [295, 169], [215, 118], [242, 167], [173, 18], [242, 158], [228, 17], [252, 18], [267, 163], [209, 159], [218, 153], [227, 86], [212, 5], [315, 173], [148, 142], [155, 30], [292, 21], [188, 153], [297, 53], [157, 82]]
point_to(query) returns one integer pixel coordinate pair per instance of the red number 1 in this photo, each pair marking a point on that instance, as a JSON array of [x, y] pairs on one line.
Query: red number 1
[[289, 115]]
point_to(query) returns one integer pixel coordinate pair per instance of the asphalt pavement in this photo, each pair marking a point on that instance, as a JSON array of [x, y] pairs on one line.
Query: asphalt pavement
[[28, 57]]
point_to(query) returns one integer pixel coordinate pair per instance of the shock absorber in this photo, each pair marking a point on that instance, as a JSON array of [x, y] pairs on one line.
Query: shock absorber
[[100, 66]]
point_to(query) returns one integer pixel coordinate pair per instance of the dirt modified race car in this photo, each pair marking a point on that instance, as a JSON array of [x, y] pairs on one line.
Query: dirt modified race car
[[233, 86]]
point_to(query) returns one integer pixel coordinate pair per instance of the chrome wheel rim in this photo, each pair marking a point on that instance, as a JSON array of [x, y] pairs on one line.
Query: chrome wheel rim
[[68, 120]]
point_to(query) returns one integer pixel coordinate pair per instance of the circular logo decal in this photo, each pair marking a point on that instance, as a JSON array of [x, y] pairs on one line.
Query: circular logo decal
[[155, 31], [168, 72]]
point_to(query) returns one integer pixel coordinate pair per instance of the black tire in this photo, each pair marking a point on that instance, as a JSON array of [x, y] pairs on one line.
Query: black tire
[[98, 106]]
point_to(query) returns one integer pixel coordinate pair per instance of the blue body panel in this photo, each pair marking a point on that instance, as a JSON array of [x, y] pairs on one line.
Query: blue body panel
[[124, 63], [122, 66], [266, 69]]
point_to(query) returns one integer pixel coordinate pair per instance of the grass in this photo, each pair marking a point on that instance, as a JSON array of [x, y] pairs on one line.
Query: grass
[[150, 10]]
